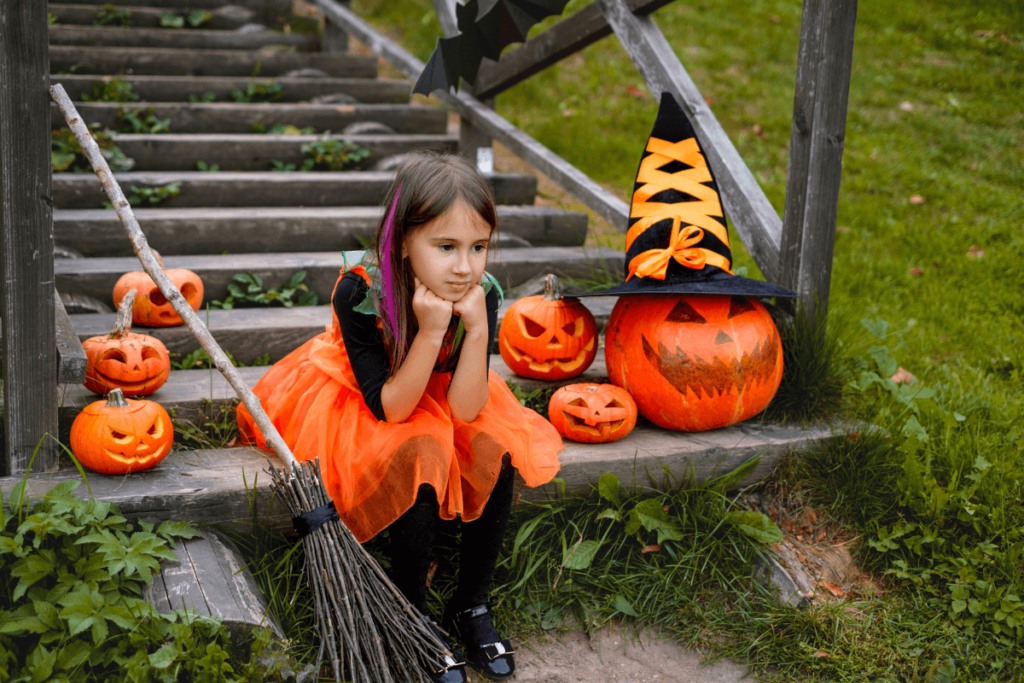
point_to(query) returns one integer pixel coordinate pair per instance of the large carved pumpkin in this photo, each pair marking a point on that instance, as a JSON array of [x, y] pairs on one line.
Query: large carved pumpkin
[[151, 307], [118, 436], [137, 364], [694, 362], [592, 413], [548, 337]]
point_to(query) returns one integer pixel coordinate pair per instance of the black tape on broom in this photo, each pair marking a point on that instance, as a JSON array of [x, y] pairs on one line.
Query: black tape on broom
[[314, 519]]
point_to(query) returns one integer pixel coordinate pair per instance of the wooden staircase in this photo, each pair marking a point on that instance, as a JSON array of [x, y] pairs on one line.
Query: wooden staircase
[[247, 217]]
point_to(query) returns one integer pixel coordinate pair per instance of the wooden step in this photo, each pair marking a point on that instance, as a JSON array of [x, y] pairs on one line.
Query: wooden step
[[245, 152], [249, 333], [183, 4], [214, 230], [182, 39], [177, 62], [226, 18], [96, 276], [229, 117], [227, 189], [179, 88]]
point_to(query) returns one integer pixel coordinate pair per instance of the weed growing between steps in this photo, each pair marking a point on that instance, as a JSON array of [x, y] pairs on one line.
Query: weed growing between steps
[[216, 426], [66, 152], [281, 129], [325, 154], [247, 292], [109, 15], [141, 121], [151, 196], [270, 91], [115, 89], [72, 576], [192, 19]]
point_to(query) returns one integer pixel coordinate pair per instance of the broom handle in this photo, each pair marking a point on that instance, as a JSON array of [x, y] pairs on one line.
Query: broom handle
[[167, 288]]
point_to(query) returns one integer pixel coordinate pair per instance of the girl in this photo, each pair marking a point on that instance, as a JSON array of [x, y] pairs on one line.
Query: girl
[[397, 400]]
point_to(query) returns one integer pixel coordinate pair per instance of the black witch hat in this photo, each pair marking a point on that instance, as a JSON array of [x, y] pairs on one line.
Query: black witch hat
[[678, 242]]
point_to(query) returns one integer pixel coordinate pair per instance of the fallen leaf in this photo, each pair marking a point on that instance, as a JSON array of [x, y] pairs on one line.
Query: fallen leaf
[[906, 106], [936, 265], [567, 112], [812, 515], [975, 252], [903, 376], [821, 535], [916, 271], [635, 91], [819, 653], [983, 34], [758, 131], [709, 100], [774, 19], [650, 549], [802, 558], [916, 199], [835, 590], [799, 537], [842, 229]]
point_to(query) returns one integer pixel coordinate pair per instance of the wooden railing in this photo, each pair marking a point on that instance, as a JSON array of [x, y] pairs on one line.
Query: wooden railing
[[795, 252]]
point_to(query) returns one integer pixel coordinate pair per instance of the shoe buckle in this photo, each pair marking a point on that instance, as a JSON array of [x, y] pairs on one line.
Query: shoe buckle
[[495, 650]]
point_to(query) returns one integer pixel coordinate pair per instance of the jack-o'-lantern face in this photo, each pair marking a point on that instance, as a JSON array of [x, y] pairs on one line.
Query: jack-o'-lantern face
[[694, 362], [592, 413], [151, 307], [548, 337], [118, 436], [137, 364]]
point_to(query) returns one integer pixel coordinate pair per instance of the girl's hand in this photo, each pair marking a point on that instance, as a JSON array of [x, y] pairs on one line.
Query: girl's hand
[[432, 312], [472, 308]]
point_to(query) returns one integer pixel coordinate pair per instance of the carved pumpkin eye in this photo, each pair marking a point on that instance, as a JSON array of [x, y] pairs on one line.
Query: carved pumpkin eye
[[740, 305], [188, 290], [157, 297], [575, 328], [578, 402], [119, 437], [685, 313], [614, 404], [533, 328], [156, 430], [114, 355], [149, 353]]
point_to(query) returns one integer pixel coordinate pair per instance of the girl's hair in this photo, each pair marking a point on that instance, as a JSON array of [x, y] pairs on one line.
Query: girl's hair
[[426, 185]]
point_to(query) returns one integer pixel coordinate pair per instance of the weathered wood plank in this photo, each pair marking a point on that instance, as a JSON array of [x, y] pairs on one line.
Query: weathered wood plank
[[562, 40], [71, 360], [816, 149], [604, 203], [26, 239], [193, 39], [756, 222], [334, 41], [226, 18], [179, 88], [230, 117], [177, 62], [98, 232], [230, 189]]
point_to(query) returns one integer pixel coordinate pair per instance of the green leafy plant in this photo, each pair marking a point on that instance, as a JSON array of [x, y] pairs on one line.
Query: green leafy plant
[[115, 89], [269, 91], [141, 121], [281, 129], [205, 98], [51, 19], [197, 18], [332, 154], [66, 152], [276, 165], [207, 168], [153, 196], [215, 427], [172, 20], [111, 16], [247, 291]]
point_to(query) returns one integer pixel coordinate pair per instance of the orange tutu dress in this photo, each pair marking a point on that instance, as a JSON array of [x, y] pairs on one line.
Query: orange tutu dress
[[373, 469]]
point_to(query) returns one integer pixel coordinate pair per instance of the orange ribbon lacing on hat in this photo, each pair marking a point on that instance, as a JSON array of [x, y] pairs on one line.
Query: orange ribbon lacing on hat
[[689, 219]]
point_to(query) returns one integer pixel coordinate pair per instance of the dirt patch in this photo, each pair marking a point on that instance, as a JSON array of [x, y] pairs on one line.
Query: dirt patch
[[615, 656]]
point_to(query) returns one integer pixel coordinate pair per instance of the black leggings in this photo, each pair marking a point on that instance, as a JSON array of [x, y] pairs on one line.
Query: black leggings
[[412, 543]]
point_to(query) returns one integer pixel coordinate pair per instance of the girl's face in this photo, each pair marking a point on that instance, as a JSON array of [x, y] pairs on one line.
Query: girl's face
[[449, 253]]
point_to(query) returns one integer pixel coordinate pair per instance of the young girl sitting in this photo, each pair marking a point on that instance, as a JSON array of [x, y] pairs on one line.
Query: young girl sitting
[[397, 400]]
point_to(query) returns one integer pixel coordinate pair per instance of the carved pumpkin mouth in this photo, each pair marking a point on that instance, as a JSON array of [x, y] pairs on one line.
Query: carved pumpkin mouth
[[684, 372], [566, 364], [600, 429]]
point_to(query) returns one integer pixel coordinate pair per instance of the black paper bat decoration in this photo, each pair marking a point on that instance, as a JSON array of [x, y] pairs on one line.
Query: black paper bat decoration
[[485, 28]]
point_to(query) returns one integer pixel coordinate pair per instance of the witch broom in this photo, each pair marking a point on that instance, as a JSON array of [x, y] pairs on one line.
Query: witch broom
[[370, 631]]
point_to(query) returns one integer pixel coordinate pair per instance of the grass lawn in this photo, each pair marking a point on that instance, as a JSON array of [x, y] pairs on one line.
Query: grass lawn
[[929, 255]]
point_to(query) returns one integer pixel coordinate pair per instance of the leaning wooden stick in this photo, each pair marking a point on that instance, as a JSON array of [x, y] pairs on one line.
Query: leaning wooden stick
[[370, 631]]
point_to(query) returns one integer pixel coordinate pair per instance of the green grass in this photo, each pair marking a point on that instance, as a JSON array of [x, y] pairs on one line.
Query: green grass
[[933, 491]]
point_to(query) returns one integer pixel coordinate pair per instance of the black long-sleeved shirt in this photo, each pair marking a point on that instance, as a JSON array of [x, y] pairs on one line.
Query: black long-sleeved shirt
[[365, 343]]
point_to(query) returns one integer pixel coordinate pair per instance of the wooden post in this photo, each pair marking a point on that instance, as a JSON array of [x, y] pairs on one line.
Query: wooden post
[[26, 227], [816, 149], [335, 40], [745, 203]]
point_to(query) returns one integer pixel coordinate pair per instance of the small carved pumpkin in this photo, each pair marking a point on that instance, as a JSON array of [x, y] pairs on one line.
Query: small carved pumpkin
[[548, 337], [137, 364], [694, 362], [151, 307], [592, 413], [118, 436]]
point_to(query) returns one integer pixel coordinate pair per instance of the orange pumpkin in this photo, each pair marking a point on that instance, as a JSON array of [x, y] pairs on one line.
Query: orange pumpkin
[[137, 364], [694, 362], [118, 436], [548, 337], [592, 413], [151, 307]]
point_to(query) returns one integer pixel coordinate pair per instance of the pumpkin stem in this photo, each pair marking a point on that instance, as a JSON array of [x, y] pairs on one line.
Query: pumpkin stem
[[115, 399], [551, 289], [123, 323]]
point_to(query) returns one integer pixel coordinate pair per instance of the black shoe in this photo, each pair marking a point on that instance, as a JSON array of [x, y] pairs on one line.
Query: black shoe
[[486, 651], [455, 666]]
